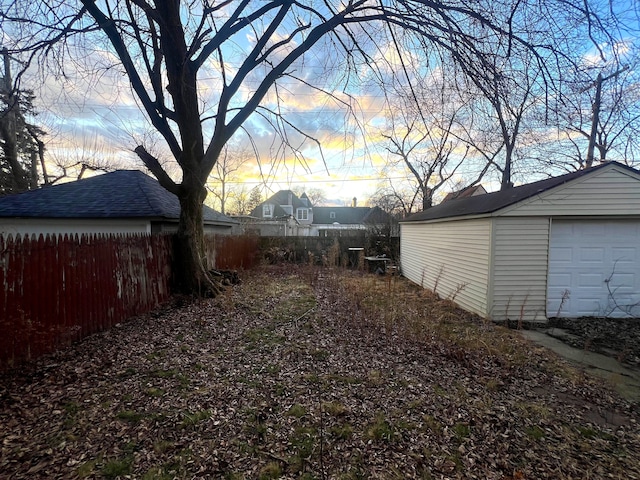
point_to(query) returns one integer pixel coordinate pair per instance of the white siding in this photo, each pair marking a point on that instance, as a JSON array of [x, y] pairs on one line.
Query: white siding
[[609, 192], [453, 253], [37, 226], [520, 260]]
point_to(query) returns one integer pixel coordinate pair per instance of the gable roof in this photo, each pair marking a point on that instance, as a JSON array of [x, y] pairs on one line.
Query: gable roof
[[345, 215], [491, 202], [119, 194], [465, 192], [282, 197]]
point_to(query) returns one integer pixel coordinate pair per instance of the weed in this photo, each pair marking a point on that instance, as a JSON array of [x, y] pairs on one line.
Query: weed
[[535, 432], [192, 419], [379, 430], [270, 471], [303, 440], [342, 432], [129, 416], [320, 354], [164, 373], [432, 424], [297, 411], [272, 369], [334, 409], [375, 377], [162, 446], [117, 468], [157, 473], [154, 392], [88, 468], [129, 372], [461, 431], [155, 355]]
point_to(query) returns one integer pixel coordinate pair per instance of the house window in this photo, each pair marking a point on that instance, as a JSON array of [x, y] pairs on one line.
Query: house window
[[302, 214], [267, 211], [332, 215]]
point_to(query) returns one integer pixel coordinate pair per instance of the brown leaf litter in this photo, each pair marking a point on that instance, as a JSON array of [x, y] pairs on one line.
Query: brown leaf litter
[[313, 373]]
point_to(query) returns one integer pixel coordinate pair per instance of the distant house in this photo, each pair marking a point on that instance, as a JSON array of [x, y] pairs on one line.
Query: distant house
[[345, 221], [284, 214], [124, 201], [465, 192], [567, 246]]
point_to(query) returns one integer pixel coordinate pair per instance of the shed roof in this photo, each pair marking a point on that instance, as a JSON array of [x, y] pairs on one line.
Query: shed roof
[[492, 202], [119, 194]]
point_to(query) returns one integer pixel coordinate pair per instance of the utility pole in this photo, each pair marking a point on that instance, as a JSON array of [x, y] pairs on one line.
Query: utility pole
[[596, 113]]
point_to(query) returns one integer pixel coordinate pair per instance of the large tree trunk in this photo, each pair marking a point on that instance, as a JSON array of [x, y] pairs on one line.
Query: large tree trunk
[[189, 260]]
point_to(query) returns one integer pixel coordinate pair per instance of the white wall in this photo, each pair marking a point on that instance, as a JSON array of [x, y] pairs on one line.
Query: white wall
[[611, 191], [453, 254], [55, 226], [519, 279]]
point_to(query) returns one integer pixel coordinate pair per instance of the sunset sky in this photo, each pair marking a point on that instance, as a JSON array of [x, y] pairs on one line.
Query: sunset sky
[[94, 115]]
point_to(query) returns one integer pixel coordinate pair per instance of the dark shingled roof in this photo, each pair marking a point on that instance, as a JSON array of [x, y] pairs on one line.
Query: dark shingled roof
[[119, 194], [344, 215], [491, 202], [281, 197]]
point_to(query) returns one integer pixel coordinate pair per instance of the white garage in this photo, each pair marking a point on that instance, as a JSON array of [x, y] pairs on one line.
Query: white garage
[[567, 246], [598, 264]]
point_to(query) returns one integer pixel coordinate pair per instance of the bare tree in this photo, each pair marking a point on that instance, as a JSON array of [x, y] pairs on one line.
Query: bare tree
[[420, 134], [243, 201], [231, 160], [604, 117], [316, 196], [166, 48]]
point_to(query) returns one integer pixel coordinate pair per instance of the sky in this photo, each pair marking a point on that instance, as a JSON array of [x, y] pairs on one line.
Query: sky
[[96, 116]]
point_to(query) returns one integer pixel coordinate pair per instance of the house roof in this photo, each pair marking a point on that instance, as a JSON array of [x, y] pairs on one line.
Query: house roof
[[348, 215], [465, 192], [119, 194], [491, 202], [283, 197]]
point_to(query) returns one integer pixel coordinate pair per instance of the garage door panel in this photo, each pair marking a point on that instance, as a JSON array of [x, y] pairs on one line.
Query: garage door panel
[[589, 280], [583, 257], [592, 255], [624, 254], [588, 307], [560, 280], [622, 279], [562, 254]]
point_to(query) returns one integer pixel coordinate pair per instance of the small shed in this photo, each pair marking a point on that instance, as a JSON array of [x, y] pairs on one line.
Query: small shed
[[567, 246]]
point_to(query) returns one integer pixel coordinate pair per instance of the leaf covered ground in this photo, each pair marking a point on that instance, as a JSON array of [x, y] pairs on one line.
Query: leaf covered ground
[[312, 373]]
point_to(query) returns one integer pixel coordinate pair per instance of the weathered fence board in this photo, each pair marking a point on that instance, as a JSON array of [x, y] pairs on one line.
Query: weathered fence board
[[59, 289]]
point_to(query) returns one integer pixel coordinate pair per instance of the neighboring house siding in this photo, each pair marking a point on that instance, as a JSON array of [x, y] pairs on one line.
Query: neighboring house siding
[[520, 260], [616, 191], [44, 226], [453, 254]]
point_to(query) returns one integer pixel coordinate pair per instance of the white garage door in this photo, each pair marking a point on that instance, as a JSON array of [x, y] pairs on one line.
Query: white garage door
[[595, 267]]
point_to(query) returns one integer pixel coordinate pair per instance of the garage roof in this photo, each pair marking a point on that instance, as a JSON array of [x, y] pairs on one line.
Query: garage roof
[[491, 202], [119, 194]]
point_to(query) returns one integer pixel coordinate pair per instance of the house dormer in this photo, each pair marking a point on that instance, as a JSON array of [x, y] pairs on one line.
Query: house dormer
[[286, 205]]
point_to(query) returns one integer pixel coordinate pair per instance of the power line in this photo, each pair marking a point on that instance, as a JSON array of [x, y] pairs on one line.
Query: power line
[[313, 181]]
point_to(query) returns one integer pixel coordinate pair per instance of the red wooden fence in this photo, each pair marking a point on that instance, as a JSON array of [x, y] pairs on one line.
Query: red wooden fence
[[59, 289], [232, 252], [56, 290]]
